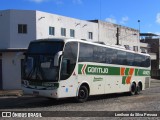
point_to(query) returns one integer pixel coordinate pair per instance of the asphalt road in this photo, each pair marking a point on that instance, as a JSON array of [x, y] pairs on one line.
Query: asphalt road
[[148, 100]]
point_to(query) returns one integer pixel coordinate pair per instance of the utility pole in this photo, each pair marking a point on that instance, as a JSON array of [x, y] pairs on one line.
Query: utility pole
[[117, 36], [139, 25]]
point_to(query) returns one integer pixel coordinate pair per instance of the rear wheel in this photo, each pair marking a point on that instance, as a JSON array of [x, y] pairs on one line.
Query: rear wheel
[[137, 90], [82, 94]]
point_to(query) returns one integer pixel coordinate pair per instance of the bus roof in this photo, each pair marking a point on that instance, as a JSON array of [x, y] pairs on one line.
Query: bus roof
[[65, 40]]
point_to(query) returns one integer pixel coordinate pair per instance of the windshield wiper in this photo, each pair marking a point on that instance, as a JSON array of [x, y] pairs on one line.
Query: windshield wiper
[[39, 75]]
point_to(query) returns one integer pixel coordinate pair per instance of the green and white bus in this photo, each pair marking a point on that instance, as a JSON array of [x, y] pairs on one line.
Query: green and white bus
[[61, 68]]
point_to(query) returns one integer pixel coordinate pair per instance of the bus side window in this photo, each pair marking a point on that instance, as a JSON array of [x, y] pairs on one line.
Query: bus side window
[[86, 53], [130, 59], [99, 54], [69, 59], [111, 56], [65, 69], [138, 60], [121, 56], [147, 61]]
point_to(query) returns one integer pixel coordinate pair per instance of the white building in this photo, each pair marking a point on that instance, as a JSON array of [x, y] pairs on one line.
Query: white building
[[19, 27], [128, 37]]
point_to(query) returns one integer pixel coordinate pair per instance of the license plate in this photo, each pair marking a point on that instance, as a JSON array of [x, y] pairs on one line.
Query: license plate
[[36, 93]]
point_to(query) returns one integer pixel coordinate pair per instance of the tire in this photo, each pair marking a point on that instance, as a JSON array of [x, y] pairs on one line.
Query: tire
[[82, 94], [138, 90], [133, 89]]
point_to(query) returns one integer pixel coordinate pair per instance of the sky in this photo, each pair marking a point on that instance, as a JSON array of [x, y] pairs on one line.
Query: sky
[[123, 12]]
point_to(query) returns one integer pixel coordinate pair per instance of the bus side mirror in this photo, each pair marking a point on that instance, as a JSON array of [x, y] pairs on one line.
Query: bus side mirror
[[65, 68], [57, 58], [65, 65]]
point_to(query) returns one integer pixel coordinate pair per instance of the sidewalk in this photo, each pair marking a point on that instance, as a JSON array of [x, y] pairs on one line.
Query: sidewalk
[[154, 83], [10, 93]]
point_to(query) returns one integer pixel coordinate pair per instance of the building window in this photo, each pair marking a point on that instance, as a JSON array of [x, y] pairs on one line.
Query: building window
[[51, 30], [72, 33], [22, 28], [135, 48], [90, 35], [143, 50], [63, 31], [127, 47]]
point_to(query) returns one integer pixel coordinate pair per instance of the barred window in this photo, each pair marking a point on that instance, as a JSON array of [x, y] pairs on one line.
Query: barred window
[[51, 31], [63, 31], [22, 28], [72, 33]]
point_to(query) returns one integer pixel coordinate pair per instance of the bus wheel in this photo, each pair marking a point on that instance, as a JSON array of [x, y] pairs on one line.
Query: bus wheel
[[133, 89], [138, 89], [82, 94]]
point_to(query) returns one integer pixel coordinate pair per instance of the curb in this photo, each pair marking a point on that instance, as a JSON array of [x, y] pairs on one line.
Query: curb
[[10, 93]]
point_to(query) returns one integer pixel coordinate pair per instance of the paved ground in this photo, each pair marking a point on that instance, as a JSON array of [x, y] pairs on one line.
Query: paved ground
[[148, 100]]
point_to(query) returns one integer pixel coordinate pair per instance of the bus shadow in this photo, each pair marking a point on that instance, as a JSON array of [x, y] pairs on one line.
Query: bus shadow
[[107, 96], [38, 102]]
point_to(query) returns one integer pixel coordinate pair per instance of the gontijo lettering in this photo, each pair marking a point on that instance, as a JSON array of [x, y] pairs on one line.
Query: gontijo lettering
[[146, 72], [97, 70]]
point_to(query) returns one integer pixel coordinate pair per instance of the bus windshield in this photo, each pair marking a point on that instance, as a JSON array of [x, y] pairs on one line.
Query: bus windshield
[[39, 61]]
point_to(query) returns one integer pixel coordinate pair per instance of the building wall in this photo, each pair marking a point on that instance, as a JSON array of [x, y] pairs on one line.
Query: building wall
[[154, 48], [127, 36], [4, 29], [9, 36], [11, 74], [81, 27], [20, 40], [38, 24]]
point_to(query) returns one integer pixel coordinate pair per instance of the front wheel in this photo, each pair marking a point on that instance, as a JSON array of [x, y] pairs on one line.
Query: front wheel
[[82, 94]]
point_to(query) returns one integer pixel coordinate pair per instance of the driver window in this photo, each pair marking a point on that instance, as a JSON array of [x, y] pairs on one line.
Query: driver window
[[69, 60]]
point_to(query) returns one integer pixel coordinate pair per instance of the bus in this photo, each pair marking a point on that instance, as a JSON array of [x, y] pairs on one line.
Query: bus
[[61, 68]]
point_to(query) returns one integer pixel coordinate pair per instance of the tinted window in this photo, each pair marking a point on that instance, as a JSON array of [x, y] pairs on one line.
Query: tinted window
[[121, 57], [130, 59], [92, 53], [111, 56], [69, 60], [45, 47], [137, 60], [86, 53], [99, 54], [147, 61]]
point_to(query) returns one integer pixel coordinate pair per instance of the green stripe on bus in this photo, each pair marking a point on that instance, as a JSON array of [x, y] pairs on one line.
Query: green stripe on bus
[[142, 72], [80, 68], [102, 70], [98, 70], [124, 79], [127, 71], [108, 70]]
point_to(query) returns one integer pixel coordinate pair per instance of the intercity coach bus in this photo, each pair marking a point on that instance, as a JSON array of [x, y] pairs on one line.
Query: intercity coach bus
[[61, 68]]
